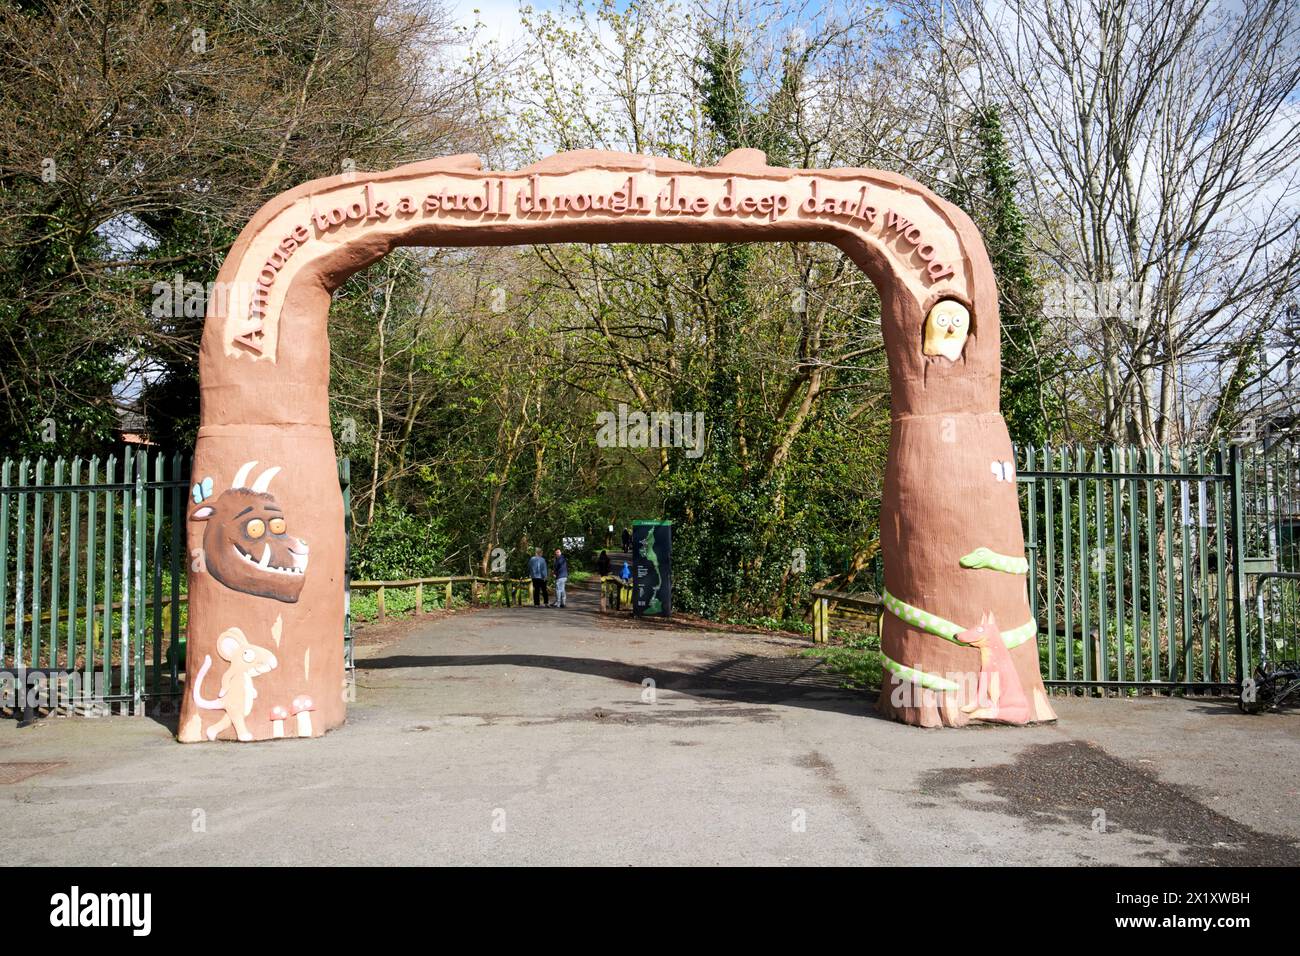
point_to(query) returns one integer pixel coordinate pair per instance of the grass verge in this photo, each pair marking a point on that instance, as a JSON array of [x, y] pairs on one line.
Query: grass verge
[[854, 657]]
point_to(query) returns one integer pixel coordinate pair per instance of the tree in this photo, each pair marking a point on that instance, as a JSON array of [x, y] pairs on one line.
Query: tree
[[1159, 149], [135, 142], [1031, 400]]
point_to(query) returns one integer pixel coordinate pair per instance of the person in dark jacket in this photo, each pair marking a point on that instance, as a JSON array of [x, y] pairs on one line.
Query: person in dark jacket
[[561, 577], [627, 540], [602, 570]]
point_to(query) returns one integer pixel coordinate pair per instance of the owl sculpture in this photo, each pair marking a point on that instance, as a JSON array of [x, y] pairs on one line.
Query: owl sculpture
[[946, 328]]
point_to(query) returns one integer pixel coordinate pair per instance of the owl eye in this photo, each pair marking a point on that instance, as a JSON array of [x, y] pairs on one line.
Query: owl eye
[[255, 528], [941, 321], [958, 321], [277, 526]]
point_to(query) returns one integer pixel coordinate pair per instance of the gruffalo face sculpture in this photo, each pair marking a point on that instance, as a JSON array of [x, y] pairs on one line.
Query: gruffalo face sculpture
[[246, 545]]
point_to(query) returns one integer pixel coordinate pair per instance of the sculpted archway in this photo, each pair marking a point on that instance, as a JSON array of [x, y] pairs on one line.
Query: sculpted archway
[[265, 650]]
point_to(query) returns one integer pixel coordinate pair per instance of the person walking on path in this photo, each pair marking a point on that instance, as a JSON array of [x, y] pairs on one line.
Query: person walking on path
[[537, 571], [627, 540], [602, 572], [561, 577]]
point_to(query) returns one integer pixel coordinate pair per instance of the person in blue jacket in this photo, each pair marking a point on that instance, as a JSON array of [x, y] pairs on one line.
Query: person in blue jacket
[[537, 571]]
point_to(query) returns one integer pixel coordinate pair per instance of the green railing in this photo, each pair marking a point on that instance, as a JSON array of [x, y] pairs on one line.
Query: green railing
[[1143, 562], [349, 657], [1143, 566], [1154, 569], [1130, 577], [1270, 479], [92, 573], [93, 577], [1276, 633], [1270, 548]]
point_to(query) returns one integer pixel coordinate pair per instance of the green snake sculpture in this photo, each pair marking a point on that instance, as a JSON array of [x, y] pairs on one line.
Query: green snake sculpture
[[933, 624], [987, 558]]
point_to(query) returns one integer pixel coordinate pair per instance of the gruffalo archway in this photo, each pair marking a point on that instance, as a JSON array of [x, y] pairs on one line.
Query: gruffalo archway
[[265, 654]]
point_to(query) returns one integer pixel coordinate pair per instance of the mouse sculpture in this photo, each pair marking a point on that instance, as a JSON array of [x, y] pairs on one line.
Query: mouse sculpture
[[237, 692]]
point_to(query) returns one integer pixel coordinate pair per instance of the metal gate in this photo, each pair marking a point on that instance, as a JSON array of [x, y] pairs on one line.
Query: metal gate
[[92, 579], [1277, 617], [1270, 480], [1134, 572]]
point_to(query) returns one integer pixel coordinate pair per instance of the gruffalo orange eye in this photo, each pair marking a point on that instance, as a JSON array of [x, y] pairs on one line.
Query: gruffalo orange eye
[[277, 526], [255, 528]]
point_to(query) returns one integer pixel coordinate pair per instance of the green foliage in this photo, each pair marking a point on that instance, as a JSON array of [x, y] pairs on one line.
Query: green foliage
[[721, 91], [398, 545], [60, 347], [193, 248], [770, 623], [783, 493], [1248, 361], [140, 163], [1031, 400]]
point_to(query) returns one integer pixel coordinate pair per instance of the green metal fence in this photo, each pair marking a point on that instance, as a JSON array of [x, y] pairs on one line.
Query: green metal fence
[[1144, 563], [1270, 478], [1275, 633], [1149, 568], [92, 573], [93, 577], [1130, 578], [345, 485]]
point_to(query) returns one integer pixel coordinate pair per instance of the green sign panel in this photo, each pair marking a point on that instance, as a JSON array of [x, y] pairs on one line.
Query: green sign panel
[[652, 572]]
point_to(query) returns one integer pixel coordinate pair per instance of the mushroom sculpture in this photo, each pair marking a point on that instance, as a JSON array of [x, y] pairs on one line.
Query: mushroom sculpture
[[302, 708], [278, 716]]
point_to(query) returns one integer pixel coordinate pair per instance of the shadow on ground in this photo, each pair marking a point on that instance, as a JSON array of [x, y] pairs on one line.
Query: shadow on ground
[[741, 678]]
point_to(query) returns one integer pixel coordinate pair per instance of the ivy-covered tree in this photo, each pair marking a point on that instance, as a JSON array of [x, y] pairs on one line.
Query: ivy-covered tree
[[1031, 402]]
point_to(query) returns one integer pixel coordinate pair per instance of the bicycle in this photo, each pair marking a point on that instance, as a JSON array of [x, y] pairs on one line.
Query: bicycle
[[1273, 685]]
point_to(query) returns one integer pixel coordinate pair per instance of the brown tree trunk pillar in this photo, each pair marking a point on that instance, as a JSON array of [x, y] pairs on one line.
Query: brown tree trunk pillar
[[950, 493], [290, 663], [266, 543]]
